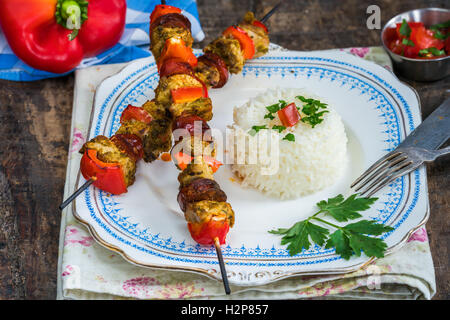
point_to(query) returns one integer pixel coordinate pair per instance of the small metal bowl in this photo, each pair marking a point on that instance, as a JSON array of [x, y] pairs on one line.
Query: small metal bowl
[[419, 69]]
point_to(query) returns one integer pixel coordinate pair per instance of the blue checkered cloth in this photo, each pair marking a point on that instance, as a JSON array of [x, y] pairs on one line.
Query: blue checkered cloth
[[133, 44]]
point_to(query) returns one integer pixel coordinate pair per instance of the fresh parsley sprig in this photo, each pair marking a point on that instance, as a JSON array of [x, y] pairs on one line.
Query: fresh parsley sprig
[[348, 240], [311, 109]]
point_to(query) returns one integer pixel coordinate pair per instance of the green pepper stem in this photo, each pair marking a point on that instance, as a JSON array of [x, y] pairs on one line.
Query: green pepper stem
[[71, 14]]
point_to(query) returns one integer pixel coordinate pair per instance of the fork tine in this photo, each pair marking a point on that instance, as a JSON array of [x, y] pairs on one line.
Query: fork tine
[[382, 160], [380, 171], [402, 172], [379, 183]]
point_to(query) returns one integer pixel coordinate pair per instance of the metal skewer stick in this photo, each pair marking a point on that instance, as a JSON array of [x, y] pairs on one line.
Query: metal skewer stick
[[163, 1], [76, 193], [271, 12], [223, 271]]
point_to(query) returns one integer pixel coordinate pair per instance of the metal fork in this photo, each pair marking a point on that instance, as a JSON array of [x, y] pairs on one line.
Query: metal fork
[[393, 165], [419, 147]]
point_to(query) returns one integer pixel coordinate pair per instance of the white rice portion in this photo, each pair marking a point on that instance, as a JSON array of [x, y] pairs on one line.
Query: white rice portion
[[315, 160]]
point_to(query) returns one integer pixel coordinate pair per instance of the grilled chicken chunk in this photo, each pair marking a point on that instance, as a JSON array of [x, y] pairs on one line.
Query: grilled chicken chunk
[[156, 111], [138, 128], [229, 50], [259, 36], [107, 151], [197, 169], [205, 210], [201, 107], [158, 139], [163, 95], [195, 146], [160, 34], [207, 73]]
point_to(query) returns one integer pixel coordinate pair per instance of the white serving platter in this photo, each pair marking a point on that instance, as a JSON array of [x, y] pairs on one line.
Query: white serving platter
[[146, 226]]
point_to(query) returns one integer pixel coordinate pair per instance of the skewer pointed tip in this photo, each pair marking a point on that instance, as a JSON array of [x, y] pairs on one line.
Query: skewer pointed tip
[[76, 193], [223, 271], [271, 12]]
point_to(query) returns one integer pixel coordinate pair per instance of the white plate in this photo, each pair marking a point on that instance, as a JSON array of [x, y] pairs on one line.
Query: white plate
[[147, 227]]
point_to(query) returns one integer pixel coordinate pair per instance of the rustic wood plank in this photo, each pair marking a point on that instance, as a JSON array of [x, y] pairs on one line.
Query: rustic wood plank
[[35, 128], [35, 134]]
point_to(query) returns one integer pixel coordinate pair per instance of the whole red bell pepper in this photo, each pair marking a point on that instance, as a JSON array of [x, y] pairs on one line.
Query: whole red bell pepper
[[55, 35], [107, 176]]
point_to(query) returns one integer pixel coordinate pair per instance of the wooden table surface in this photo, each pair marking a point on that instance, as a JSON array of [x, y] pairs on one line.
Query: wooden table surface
[[35, 122]]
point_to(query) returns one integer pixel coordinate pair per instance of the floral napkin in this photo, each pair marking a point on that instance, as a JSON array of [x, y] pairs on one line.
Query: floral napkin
[[86, 270]]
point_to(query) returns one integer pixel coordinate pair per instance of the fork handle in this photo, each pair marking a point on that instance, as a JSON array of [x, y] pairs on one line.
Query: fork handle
[[440, 152], [433, 132]]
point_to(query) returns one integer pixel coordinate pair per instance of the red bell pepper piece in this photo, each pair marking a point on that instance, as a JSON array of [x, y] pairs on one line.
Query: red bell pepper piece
[[43, 35], [162, 9], [205, 88], [135, 113], [259, 24], [187, 94], [108, 176], [289, 115], [247, 45], [176, 48], [204, 233]]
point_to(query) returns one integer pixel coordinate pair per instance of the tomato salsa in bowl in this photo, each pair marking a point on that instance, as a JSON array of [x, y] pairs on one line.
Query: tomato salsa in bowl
[[418, 42]]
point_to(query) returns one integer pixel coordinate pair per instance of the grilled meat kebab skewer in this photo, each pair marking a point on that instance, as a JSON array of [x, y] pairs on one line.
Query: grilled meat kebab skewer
[[135, 131], [155, 138]]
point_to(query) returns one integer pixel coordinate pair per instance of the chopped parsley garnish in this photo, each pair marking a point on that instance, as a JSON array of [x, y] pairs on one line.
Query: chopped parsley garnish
[[311, 109], [348, 240], [279, 128], [434, 51], [438, 34], [289, 137], [408, 42], [405, 30], [274, 109], [441, 36], [442, 25], [255, 129]]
